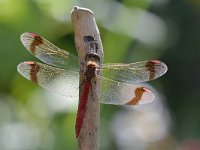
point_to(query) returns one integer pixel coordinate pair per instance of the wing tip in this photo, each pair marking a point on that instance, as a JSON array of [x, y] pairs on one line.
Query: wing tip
[[147, 96], [29, 70], [23, 68], [19, 66], [24, 35], [31, 41], [24, 65], [23, 38], [159, 67], [164, 66]]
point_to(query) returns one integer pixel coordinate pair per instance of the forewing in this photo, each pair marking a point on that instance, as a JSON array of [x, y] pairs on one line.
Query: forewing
[[47, 52], [134, 72], [61, 81], [119, 93]]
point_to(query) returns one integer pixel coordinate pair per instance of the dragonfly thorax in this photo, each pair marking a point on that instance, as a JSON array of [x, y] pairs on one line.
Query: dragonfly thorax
[[91, 70]]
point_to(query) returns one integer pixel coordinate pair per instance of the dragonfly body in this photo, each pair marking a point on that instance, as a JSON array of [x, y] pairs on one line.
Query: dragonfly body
[[92, 60], [60, 74]]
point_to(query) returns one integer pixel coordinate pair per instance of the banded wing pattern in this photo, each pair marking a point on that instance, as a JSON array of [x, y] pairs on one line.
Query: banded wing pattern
[[117, 80], [134, 72], [125, 91], [47, 52], [60, 81], [119, 93]]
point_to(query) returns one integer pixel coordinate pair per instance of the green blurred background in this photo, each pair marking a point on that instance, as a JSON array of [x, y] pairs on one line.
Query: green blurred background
[[131, 30]]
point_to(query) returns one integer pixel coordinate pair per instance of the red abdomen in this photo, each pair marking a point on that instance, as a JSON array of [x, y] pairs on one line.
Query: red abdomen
[[82, 107]]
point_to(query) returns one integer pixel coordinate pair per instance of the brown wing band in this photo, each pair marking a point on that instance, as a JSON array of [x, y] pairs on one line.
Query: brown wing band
[[34, 70], [150, 65], [37, 41], [138, 95]]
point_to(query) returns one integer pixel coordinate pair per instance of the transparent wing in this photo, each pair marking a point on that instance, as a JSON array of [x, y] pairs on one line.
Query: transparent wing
[[61, 81], [119, 93], [134, 72], [47, 52]]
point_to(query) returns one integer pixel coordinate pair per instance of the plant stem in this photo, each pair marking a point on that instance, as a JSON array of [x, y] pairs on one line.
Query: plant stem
[[85, 26]]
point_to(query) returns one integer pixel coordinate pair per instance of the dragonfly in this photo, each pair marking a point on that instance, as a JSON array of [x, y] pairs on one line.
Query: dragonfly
[[60, 71]]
